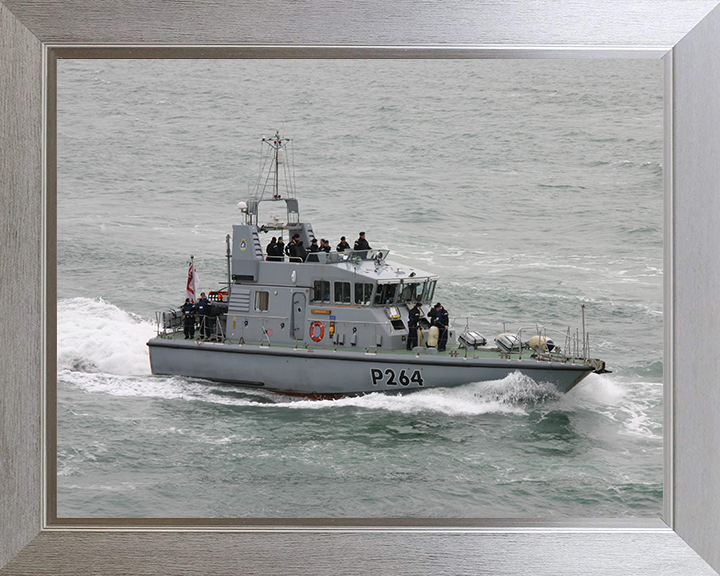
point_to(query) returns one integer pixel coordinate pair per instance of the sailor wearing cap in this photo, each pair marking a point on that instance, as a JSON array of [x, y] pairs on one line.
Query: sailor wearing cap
[[203, 310], [361, 243], [279, 250], [413, 318], [295, 249], [343, 245], [188, 311], [439, 317]]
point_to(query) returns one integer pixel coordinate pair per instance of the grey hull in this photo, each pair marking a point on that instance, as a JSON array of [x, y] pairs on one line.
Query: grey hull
[[322, 372]]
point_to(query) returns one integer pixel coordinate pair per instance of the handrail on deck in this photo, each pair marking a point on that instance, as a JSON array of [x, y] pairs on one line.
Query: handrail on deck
[[574, 345], [335, 257], [169, 322]]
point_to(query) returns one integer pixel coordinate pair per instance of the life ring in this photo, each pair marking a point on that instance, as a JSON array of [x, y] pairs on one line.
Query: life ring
[[312, 331]]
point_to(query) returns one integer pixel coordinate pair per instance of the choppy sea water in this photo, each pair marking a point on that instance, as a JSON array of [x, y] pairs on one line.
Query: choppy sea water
[[529, 187]]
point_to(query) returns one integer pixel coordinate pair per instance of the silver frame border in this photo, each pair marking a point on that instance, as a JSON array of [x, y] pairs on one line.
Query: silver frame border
[[49, 537]]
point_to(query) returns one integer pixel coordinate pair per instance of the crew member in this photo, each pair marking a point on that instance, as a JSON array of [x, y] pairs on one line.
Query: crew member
[[293, 249], [314, 246], [343, 245], [413, 318], [301, 251], [279, 250], [441, 319], [188, 311], [361, 246], [271, 248], [203, 310], [325, 245], [361, 243]]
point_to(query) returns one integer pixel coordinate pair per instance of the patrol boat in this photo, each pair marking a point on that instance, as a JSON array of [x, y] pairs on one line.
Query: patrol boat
[[333, 324]]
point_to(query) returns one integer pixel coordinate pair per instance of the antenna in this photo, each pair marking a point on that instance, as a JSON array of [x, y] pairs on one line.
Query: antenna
[[277, 170]]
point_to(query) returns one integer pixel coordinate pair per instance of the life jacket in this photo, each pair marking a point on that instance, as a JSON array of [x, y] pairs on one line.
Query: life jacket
[[203, 307]]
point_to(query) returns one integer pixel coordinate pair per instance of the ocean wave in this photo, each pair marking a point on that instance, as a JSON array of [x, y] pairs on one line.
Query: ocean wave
[[507, 396], [633, 405], [512, 395], [629, 406], [96, 336], [596, 390]]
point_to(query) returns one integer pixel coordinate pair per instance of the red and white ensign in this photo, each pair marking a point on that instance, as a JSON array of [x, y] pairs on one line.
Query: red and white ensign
[[192, 283]]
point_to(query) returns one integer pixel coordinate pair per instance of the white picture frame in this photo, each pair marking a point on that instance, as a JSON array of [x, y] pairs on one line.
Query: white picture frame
[[685, 33]]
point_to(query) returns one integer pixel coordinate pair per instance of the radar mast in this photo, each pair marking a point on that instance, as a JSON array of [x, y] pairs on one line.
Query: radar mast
[[277, 177]]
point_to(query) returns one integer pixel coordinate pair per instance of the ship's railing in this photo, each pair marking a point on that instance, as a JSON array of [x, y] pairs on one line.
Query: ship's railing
[[217, 334], [266, 331], [575, 346], [264, 336], [355, 256], [170, 322]]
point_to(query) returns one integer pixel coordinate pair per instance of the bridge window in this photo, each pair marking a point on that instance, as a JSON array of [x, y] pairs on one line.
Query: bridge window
[[385, 294], [321, 291], [412, 292], [429, 290], [363, 293], [342, 293]]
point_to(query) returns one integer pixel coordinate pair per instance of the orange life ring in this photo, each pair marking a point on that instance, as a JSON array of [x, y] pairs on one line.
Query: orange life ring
[[312, 331]]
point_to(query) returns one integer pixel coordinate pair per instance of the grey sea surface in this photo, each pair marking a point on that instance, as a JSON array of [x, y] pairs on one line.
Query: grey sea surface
[[529, 187]]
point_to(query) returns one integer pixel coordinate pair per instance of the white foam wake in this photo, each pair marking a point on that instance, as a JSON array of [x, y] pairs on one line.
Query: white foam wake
[[511, 395], [635, 405], [95, 336]]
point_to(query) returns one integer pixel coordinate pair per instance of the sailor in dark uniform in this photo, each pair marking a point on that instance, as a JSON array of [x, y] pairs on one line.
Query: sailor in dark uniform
[[441, 319], [293, 249], [361, 246], [325, 245], [271, 248], [301, 251], [203, 310], [279, 250], [413, 318], [343, 245], [361, 243], [314, 246], [188, 311]]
